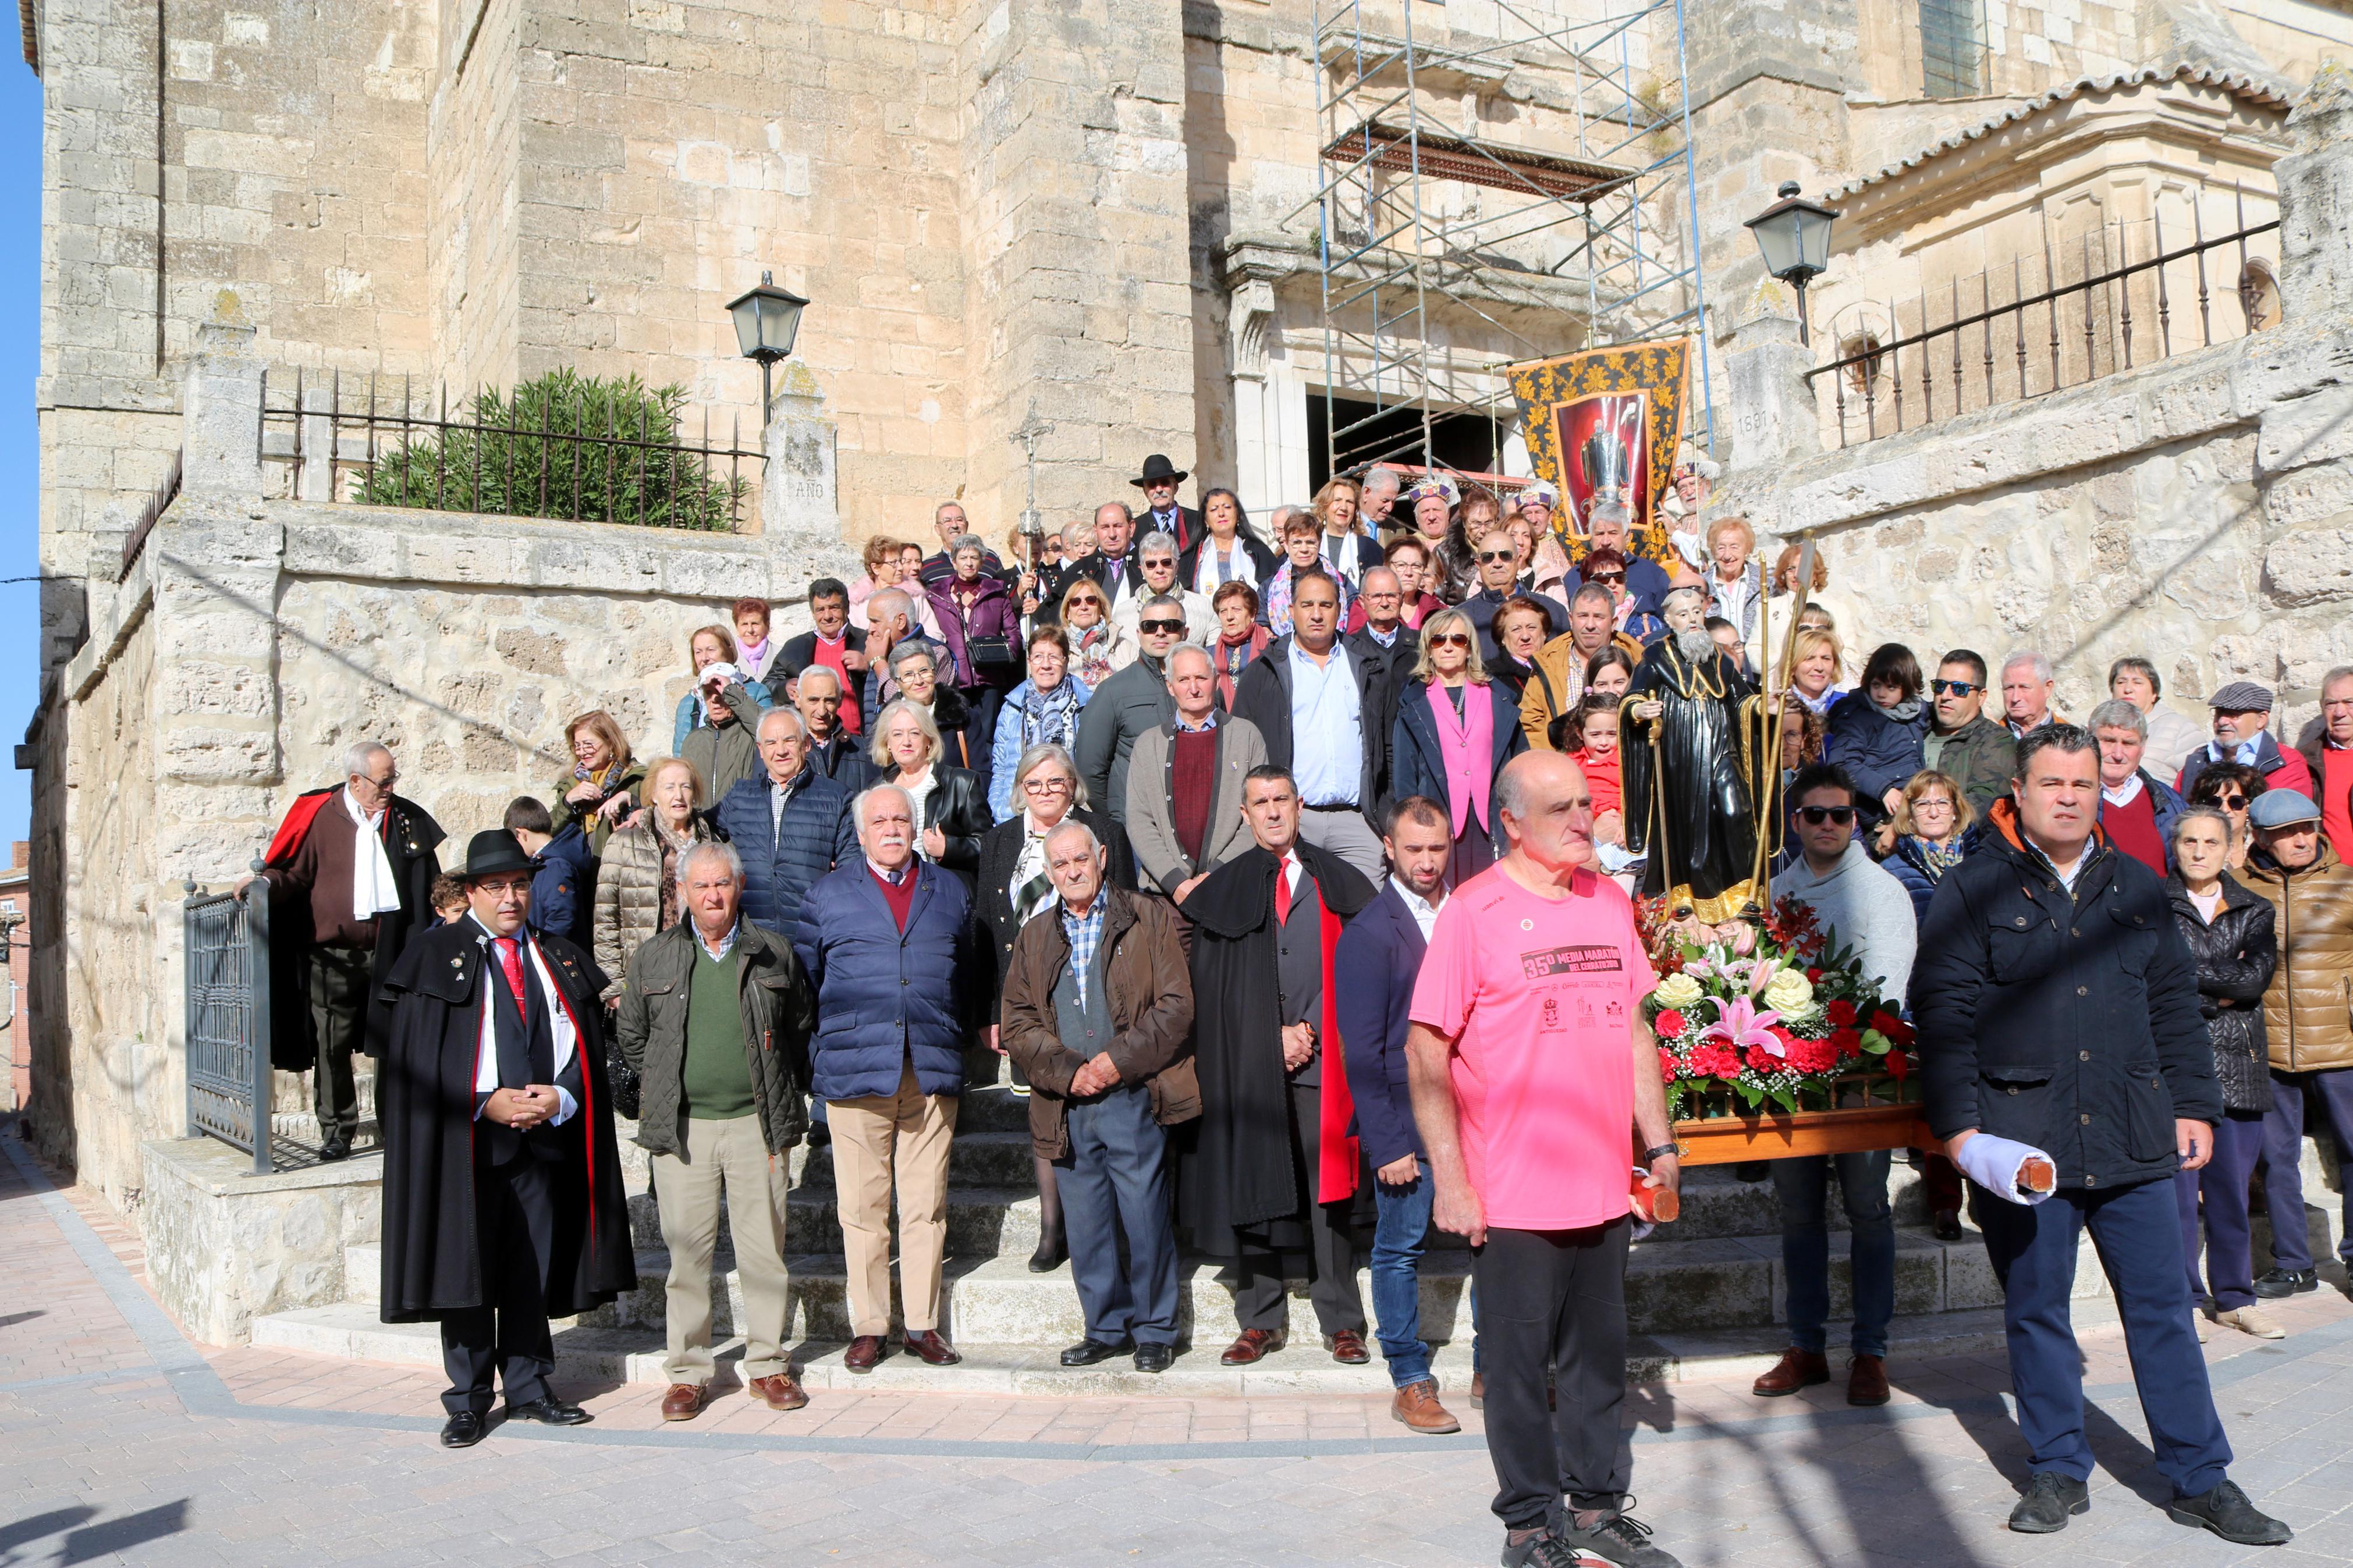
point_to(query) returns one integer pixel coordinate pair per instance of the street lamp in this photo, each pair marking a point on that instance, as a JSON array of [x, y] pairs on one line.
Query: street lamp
[[766, 320], [1795, 236]]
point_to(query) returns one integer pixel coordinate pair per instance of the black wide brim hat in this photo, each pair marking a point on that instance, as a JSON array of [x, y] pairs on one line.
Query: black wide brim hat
[[491, 851], [1157, 468]]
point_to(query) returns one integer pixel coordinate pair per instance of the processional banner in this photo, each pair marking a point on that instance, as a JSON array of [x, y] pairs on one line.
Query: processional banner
[[1603, 425]]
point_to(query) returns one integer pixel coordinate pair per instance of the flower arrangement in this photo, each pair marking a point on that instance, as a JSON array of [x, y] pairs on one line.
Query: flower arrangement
[[1750, 1021]]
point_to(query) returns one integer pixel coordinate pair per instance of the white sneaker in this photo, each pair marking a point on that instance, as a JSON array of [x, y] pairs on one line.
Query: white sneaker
[[2198, 1319], [2249, 1321]]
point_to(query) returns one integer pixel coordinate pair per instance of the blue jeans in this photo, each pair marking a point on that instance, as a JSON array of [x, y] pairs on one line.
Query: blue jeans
[[1803, 1185], [1402, 1220]]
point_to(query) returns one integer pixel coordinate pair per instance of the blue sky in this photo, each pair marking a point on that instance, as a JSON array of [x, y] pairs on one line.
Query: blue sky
[[20, 442]]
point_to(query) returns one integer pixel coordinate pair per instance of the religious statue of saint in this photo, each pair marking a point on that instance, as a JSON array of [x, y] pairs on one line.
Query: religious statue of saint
[[1697, 769]]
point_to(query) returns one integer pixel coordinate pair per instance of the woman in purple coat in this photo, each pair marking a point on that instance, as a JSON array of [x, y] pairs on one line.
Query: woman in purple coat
[[980, 622]]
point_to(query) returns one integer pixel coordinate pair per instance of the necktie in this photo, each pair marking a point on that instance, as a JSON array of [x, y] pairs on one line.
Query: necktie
[[1282, 890], [510, 960]]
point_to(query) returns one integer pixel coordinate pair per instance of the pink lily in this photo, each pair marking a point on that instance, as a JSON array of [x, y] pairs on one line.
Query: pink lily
[[1739, 1025], [1762, 975]]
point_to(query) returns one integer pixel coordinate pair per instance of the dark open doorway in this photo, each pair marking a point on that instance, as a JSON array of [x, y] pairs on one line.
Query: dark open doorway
[[1469, 442]]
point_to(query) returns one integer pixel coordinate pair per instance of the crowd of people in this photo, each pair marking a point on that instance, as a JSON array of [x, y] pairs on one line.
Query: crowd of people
[[1290, 874]]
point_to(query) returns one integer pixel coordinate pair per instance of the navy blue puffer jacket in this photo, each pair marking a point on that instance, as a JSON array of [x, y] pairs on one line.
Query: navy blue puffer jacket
[[1879, 751], [780, 867], [885, 997]]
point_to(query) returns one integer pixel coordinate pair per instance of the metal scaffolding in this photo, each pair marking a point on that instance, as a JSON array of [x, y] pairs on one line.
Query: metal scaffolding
[[1573, 227]]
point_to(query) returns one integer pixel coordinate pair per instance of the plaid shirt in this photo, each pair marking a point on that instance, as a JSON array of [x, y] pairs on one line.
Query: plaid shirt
[[1085, 933]]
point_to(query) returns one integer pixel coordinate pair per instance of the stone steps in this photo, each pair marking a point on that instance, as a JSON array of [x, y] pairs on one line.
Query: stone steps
[[587, 1357]]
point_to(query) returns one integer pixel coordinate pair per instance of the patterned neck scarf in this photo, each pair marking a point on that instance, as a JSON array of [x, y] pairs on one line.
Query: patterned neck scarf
[[1051, 716]]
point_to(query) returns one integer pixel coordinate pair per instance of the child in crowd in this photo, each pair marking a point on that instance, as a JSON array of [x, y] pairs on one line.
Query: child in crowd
[[1593, 748], [447, 896]]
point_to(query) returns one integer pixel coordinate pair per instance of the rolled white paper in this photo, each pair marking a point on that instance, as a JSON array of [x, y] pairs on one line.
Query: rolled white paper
[[1994, 1163]]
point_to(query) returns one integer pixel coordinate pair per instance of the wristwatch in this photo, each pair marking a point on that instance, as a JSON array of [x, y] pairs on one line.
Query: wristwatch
[[1656, 1150]]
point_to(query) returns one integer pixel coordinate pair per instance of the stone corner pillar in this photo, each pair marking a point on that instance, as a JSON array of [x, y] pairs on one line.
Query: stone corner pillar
[[800, 513], [220, 440], [1774, 422], [2315, 201]]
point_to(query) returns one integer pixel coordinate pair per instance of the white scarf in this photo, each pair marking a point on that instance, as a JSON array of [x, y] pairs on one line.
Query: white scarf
[[374, 890], [559, 1021]]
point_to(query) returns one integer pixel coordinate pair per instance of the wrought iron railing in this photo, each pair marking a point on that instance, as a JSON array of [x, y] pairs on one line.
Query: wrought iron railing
[[559, 447], [227, 1018], [2119, 311]]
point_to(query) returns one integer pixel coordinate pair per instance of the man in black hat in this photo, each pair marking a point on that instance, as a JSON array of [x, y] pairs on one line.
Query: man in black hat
[[503, 1199], [1162, 514]]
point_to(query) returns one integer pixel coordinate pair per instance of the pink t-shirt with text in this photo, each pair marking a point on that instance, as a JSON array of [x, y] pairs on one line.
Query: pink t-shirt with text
[[1543, 993]]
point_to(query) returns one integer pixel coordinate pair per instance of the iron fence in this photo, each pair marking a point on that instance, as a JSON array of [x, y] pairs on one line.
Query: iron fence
[[562, 447], [2029, 330], [227, 1018]]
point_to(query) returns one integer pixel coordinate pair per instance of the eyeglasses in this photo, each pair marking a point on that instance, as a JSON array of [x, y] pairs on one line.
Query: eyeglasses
[[1046, 786], [2232, 802], [1086, 604], [1448, 639], [1173, 628], [1608, 577], [1489, 557], [1816, 815], [1953, 688]]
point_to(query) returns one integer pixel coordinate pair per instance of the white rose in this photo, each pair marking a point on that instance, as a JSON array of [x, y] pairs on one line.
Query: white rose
[[1678, 991], [1789, 993]]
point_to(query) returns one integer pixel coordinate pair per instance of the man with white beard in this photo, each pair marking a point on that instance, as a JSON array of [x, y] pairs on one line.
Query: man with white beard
[[1690, 779]]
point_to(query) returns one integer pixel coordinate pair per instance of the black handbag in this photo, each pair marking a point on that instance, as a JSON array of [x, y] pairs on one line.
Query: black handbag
[[625, 1083], [989, 652]]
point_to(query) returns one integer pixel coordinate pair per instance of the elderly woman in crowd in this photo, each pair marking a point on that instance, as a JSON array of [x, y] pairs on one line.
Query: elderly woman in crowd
[[880, 558], [2231, 932], [1240, 637], [1043, 710], [1520, 628], [708, 646], [1455, 729], [916, 669], [1408, 557], [951, 803], [1813, 677], [636, 886], [980, 622], [1099, 648], [1014, 889], [1735, 581], [1922, 839], [1303, 539], [1607, 566], [1875, 732], [2230, 788], [603, 788]]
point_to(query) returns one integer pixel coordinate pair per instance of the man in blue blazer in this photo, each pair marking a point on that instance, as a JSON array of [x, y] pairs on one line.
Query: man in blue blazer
[[1373, 970]]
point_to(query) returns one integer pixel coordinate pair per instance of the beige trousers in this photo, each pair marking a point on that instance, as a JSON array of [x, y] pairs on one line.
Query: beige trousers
[[875, 1139], [729, 1155]]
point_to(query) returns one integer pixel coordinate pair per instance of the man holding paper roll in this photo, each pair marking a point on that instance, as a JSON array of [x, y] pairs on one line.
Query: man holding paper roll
[[2057, 1010]]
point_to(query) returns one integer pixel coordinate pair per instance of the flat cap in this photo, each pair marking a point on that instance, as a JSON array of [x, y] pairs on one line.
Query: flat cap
[[2242, 696], [2282, 808]]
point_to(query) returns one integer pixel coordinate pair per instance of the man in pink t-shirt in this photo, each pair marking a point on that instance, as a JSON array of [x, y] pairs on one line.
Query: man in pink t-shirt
[[1535, 1077]]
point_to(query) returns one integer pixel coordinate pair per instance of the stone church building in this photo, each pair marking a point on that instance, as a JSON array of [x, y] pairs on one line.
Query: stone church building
[[1040, 239]]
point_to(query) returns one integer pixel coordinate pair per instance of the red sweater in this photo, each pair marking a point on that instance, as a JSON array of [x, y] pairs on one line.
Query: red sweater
[[1601, 778], [2133, 829], [901, 898]]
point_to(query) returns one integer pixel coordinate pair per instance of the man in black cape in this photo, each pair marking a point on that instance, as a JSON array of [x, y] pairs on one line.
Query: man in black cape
[[1694, 766], [502, 1198], [342, 847], [1268, 1174]]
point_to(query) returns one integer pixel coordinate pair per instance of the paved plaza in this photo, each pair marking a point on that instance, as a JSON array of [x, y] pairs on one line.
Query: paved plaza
[[121, 1442]]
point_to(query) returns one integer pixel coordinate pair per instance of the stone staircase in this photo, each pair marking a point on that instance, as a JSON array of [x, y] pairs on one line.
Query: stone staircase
[[1705, 1294]]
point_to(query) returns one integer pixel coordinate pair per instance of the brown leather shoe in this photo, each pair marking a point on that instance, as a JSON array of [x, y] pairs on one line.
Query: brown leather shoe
[[779, 1392], [1796, 1369], [864, 1351], [1416, 1405], [1478, 1391], [682, 1402], [1250, 1346], [1348, 1348], [932, 1347], [1866, 1381]]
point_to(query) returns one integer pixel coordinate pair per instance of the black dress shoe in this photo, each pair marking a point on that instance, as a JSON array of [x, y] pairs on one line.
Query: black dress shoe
[[819, 1135], [2279, 1282], [2049, 1499], [337, 1146], [1154, 1357], [2226, 1511], [463, 1430], [1051, 1254], [1086, 1352], [548, 1411]]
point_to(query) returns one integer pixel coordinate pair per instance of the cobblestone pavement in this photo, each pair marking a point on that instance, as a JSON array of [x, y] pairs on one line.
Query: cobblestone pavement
[[121, 1442]]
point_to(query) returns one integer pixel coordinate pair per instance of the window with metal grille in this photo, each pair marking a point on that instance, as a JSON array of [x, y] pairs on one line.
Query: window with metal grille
[[1951, 54]]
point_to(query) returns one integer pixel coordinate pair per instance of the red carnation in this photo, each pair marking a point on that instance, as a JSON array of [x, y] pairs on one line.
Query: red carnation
[[1709, 1059], [1842, 1013], [1814, 974], [1667, 1069], [1812, 1055], [1899, 1066], [1669, 1025], [1893, 1027], [1847, 1042], [1762, 1060]]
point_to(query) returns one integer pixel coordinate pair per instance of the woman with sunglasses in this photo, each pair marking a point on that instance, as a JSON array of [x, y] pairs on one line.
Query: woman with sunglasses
[[1876, 733], [2230, 788], [1455, 729], [1606, 567], [1098, 649]]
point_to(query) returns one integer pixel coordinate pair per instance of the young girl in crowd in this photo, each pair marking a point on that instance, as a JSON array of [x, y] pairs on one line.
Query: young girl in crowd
[[1594, 751]]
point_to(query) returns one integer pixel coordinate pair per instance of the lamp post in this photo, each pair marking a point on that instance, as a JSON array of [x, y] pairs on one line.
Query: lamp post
[[1795, 236], [767, 320]]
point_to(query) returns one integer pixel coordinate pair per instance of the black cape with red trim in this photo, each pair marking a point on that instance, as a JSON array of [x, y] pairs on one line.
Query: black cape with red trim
[[1242, 1182], [411, 838], [424, 1101]]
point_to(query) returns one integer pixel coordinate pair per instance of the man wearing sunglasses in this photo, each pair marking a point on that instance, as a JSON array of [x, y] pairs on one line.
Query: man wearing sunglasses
[[1860, 905], [1134, 701], [1498, 560], [1961, 740]]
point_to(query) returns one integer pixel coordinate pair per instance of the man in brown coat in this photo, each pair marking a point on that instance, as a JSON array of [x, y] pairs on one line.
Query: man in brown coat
[[1097, 1010]]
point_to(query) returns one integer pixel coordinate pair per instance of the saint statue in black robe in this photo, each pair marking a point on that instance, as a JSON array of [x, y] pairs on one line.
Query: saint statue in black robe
[[1696, 772]]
